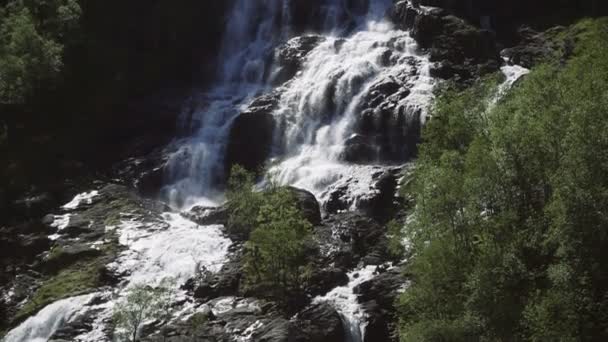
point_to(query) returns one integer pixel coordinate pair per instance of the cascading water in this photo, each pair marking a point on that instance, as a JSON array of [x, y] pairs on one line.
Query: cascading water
[[42, 326], [318, 110], [252, 32]]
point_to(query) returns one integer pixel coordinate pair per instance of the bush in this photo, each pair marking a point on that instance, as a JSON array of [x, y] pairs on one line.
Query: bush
[[276, 260], [509, 224], [31, 47], [141, 304], [243, 201]]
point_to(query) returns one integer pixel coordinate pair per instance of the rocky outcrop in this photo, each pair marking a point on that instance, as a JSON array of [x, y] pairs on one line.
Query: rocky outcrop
[[379, 202], [251, 135], [205, 216], [290, 56], [537, 47], [461, 49], [308, 205], [317, 323], [378, 297]]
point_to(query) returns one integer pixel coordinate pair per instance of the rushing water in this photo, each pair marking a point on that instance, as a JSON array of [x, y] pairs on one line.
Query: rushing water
[[41, 327], [307, 152]]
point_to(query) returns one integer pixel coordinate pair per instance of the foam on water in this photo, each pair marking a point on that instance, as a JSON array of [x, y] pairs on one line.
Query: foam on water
[[317, 127], [45, 323], [86, 197], [169, 249], [344, 300]]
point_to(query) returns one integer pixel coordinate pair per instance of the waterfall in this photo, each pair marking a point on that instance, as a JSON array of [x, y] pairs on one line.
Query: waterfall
[[253, 30], [347, 64], [45, 323], [344, 300], [319, 110]]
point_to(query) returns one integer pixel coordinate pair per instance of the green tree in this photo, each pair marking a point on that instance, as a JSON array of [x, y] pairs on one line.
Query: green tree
[[276, 259], [142, 303], [509, 230], [243, 201], [32, 35]]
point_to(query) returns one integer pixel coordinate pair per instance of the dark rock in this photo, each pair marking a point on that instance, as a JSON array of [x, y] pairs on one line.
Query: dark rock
[[205, 216], [462, 50], [323, 280], [206, 285], [317, 323], [276, 330], [290, 56], [360, 149], [308, 205], [378, 296], [386, 129], [380, 202], [346, 238], [251, 135], [534, 47]]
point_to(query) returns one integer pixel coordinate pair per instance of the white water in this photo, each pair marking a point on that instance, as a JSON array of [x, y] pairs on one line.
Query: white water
[[43, 325], [169, 249], [86, 197], [252, 32], [313, 145], [345, 301], [307, 151]]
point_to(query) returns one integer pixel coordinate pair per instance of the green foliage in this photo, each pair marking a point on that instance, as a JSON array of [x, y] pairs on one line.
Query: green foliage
[[79, 277], [396, 237], [243, 201], [276, 262], [31, 47], [510, 225], [142, 303]]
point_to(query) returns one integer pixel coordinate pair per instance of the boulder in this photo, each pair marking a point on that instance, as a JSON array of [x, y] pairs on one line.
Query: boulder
[[347, 238], [323, 280], [290, 56], [378, 296], [205, 216], [251, 135], [206, 285], [462, 50], [536, 47], [308, 205], [360, 149], [317, 323]]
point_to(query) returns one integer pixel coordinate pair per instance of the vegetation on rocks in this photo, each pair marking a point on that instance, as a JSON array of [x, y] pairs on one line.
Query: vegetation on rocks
[[511, 199], [141, 304], [276, 262]]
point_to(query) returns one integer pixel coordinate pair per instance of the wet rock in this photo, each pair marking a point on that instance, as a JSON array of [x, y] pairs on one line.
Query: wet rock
[[205, 216], [290, 56], [206, 285], [360, 149], [536, 47], [308, 205], [380, 202], [251, 135], [378, 296], [462, 50], [317, 323], [346, 238], [323, 280]]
